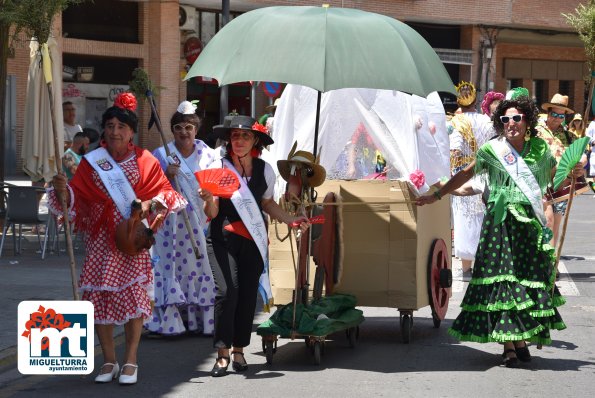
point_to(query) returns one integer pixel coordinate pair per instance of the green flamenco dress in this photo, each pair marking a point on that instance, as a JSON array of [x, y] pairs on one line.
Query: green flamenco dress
[[509, 297]]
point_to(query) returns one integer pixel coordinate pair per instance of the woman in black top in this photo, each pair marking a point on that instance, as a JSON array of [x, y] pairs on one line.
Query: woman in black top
[[237, 242]]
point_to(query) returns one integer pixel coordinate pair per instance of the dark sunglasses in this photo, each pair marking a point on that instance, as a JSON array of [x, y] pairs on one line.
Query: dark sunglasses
[[558, 115], [515, 118]]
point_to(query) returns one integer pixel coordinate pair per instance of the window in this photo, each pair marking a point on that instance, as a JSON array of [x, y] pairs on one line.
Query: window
[[98, 21]]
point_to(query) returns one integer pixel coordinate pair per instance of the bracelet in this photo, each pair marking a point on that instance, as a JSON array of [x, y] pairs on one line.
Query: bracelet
[[437, 195]]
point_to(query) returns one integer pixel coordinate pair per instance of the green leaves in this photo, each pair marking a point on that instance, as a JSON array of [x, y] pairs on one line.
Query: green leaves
[[570, 157], [141, 84], [583, 21], [33, 17]]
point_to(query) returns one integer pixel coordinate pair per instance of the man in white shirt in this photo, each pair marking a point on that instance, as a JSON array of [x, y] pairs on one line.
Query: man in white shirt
[[70, 126]]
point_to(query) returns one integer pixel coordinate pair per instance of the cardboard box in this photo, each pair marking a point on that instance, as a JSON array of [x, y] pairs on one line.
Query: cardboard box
[[386, 245]]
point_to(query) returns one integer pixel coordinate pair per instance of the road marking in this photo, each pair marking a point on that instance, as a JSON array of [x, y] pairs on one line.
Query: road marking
[[566, 285]]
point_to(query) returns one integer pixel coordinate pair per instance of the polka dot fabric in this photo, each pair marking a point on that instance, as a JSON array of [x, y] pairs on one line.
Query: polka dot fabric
[[114, 282], [509, 296]]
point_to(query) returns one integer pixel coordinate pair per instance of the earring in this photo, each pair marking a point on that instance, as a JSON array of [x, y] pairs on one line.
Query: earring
[[130, 145], [528, 135]]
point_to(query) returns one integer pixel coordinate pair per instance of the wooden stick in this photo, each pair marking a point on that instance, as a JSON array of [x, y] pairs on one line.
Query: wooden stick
[[62, 198], [176, 183], [563, 235]]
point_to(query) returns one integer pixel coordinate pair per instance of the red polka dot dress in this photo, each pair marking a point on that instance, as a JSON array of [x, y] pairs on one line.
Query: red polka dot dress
[[113, 281]]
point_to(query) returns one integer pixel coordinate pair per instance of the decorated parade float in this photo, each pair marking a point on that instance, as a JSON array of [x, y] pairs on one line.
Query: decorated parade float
[[380, 149]]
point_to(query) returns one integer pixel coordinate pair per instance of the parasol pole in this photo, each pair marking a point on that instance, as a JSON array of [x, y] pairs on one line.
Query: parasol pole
[[176, 184], [563, 234], [47, 74]]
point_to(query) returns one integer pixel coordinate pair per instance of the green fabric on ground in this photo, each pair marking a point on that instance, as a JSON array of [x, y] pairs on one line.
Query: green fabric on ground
[[322, 317]]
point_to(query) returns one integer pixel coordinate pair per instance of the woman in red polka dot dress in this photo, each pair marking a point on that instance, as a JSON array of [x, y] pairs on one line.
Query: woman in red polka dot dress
[[99, 198]]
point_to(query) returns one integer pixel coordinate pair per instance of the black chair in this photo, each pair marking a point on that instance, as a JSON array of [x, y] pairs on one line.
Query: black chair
[[22, 208]]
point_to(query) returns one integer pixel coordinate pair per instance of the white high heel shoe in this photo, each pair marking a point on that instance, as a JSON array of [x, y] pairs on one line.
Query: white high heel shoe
[[107, 377], [129, 379]]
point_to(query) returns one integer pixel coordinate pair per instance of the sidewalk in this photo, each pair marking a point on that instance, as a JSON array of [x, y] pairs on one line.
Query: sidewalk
[[27, 277]]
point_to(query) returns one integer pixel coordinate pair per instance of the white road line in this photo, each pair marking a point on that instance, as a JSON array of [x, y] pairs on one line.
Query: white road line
[[566, 285]]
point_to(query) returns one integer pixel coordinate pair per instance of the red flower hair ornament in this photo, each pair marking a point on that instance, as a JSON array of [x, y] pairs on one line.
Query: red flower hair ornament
[[126, 101], [260, 127]]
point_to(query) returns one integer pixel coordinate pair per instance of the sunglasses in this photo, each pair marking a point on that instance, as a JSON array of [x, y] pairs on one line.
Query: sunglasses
[[246, 136], [189, 128], [558, 115], [515, 118]]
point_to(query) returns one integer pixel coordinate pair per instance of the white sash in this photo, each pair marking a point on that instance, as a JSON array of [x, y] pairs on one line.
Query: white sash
[[113, 178], [521, 175], [251, 216], [188, 183]]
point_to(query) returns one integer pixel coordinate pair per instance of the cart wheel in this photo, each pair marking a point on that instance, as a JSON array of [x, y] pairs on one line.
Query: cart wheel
[[406, 326], [319, 278], [317, 352], [269, 352], [352, 336], [439, 280]]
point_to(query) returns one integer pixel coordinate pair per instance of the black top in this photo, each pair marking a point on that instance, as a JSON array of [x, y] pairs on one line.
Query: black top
[[227, 212]]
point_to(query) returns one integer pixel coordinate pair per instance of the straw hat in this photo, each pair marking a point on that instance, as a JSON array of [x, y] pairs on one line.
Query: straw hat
[[558, 101], [314, 177]]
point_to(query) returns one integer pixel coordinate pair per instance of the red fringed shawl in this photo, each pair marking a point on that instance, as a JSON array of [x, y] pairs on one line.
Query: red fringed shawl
[[152, 182]]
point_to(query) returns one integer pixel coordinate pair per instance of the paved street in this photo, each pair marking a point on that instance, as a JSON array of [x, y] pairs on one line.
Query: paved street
[[432, 365]]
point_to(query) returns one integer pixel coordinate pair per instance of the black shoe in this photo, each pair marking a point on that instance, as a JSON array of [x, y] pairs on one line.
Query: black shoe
[[510, 362], [523, 353], [238, 366], [219, 371]]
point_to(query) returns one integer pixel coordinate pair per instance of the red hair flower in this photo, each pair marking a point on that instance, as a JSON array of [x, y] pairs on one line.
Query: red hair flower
[[126, 101], [417, 178], [260, 127]]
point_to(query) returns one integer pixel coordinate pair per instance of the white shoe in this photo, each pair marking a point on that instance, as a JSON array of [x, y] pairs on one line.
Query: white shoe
[[129, 379], [107, 377]]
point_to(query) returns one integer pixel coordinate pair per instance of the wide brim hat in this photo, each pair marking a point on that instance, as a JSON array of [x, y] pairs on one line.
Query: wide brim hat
[[246, 123], [558, 101], [297, 159]]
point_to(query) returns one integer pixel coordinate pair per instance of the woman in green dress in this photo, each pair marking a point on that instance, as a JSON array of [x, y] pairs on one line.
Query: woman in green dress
[[509, 298]]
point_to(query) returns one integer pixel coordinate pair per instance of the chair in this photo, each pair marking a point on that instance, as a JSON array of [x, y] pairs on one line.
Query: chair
[[22, 208]]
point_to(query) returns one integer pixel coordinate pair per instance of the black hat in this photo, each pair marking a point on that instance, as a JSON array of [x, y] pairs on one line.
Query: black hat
[[247, 123]]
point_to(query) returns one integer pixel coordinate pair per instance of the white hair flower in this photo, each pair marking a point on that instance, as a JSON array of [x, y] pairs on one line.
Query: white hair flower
[[186, 108]]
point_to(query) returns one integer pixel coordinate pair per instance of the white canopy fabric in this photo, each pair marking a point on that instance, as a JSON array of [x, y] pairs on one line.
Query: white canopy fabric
[[409, 131], [38, 152]]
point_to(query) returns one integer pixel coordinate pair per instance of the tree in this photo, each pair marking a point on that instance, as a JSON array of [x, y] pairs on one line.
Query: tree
[[583, 21], [33, 18]]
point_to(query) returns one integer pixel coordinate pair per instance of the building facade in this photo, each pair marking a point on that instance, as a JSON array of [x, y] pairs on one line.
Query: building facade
[[495, 45]]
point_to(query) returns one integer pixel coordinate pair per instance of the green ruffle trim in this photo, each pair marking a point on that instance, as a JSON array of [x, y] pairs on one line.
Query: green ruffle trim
[[558, 301], [508, 278], [498, 338], [542, 313], [510, 305]]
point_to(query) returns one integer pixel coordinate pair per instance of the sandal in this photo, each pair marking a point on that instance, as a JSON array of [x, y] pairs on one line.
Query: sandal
[[523, 353], [238, 366], [510, 362], [219, 371]]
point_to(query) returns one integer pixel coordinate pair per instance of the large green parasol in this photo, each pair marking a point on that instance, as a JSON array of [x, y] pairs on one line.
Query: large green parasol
[[323, 48]]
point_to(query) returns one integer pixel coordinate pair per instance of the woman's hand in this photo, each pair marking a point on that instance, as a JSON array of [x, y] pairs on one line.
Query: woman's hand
[[172, 170], [301, 222], [205, 195], [425, 200], [210, 206]]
